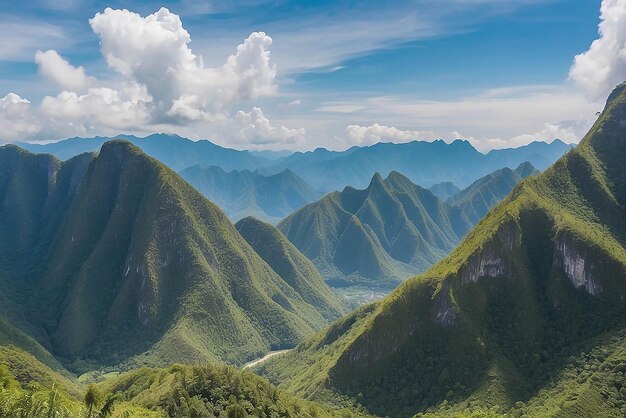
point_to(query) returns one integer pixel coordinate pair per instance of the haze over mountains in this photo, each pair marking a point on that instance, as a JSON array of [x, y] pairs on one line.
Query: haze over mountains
[[247, 193], [424, 163], [393, 229], [113, 259], [525, 317]]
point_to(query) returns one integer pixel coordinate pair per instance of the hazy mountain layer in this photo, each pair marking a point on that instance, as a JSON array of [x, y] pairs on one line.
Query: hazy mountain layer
[[424, 163], [488, 191], [245, 193]]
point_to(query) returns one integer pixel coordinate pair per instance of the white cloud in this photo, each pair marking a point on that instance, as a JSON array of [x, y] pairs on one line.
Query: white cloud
[[16, 118], [254, 128], [159, 84], [153, 51], [368, 135], [100, 108], [57, 69], [603, 66]]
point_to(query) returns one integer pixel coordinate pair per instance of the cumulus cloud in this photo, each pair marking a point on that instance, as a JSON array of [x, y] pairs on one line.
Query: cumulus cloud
[[368, 135], [153, 51], [99, 107], [16, 118], [56, 68], [254, 128], [158, 83], [603, 65]]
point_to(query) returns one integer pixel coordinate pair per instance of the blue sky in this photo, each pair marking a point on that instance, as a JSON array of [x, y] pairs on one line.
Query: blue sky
[[335, 73]]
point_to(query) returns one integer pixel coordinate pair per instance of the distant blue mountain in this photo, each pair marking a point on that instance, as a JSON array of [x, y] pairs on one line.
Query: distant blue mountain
[[424, 163], [243, 193], [173, 150]]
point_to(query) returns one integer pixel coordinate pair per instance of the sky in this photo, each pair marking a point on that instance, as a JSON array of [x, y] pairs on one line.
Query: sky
[[286, 74]]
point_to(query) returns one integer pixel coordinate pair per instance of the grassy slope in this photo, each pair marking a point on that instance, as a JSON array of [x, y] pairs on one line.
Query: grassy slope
[[117, 260], [488, 191], [500, 321], [377, 236], [291, 265]]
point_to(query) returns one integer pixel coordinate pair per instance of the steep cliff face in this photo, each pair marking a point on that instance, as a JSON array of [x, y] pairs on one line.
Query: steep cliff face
[[540, 278]]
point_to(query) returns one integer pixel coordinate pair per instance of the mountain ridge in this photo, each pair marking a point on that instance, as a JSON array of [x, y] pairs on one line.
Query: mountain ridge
[[508, 316]]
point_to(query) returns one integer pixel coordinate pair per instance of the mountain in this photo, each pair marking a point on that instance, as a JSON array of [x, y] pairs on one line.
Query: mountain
[[291, 265], [115, 260], [526, 317], [488, 191], [245, 193], [377, 236], [444, 190], [424, 163], [174, 151]]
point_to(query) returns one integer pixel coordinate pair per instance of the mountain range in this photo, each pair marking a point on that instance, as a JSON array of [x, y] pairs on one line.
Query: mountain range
[[174, 151], [247, 193], [524, 318], [113, 259], [424, 163], [393, 229]]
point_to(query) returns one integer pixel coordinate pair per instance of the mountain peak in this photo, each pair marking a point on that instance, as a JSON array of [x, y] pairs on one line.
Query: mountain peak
[[615, 94]]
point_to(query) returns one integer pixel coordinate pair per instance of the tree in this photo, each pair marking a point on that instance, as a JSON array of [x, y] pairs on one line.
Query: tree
[[236, 411], [92, 398]]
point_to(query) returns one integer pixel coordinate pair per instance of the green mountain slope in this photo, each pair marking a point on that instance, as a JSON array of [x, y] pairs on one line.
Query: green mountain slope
[[377, 236], [488, 191], [526, 315], [245, 193], [291, 265], [115, 259]]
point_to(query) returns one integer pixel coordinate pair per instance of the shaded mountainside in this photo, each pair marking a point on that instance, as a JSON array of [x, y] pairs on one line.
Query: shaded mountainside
[[525, 316], [245, 193], [113, 259], [424, 163], [174, 151], [488, 191], [444, 190], [377, 236]]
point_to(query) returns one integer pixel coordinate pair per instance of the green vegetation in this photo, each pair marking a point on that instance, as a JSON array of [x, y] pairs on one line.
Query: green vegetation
[[114, 261], [30, 389], [378, 236], [525, 318], [488, 191], [245, 193], [291, 265]]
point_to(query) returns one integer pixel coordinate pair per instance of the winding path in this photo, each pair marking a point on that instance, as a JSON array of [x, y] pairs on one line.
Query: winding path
[[269, 355]]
